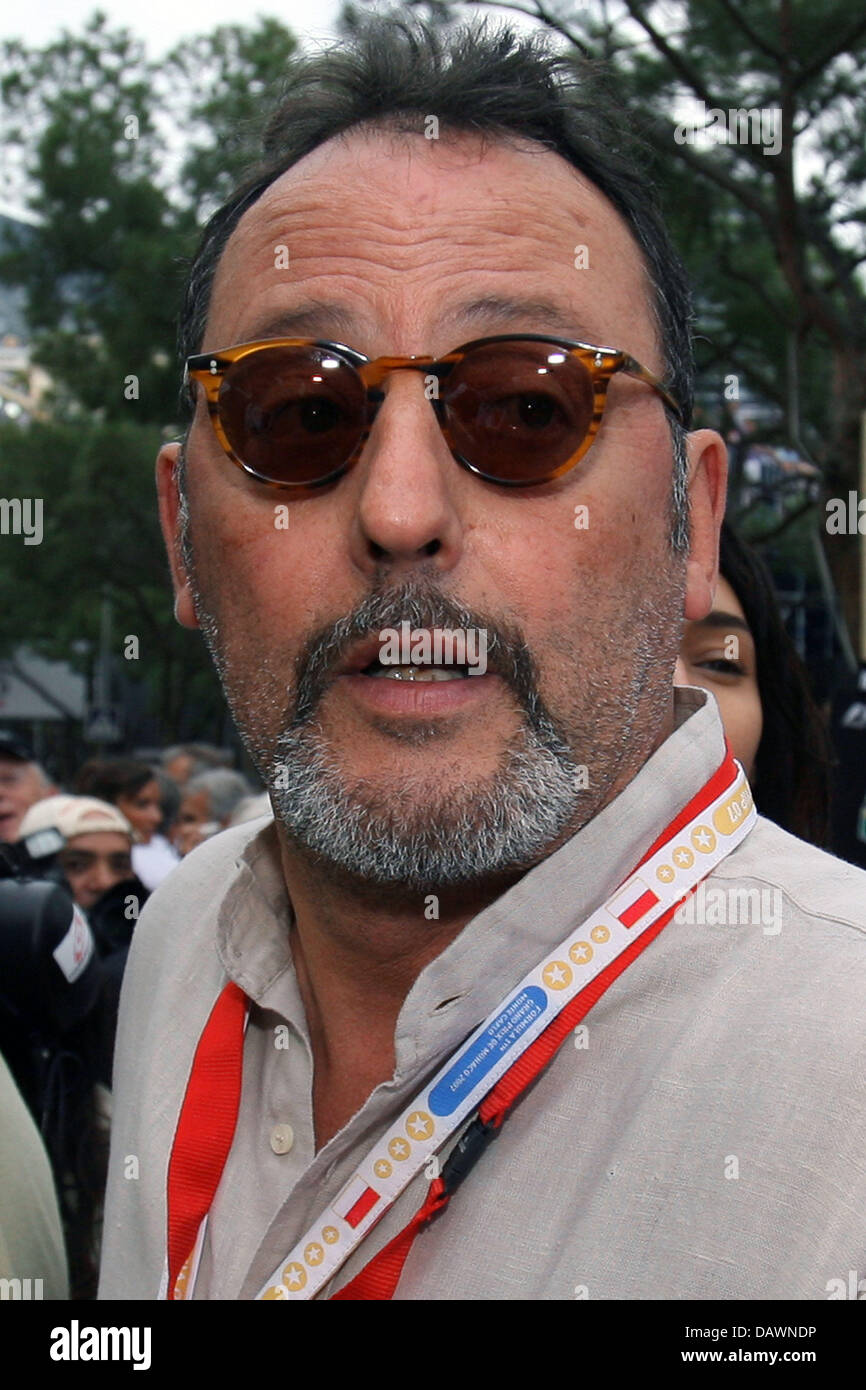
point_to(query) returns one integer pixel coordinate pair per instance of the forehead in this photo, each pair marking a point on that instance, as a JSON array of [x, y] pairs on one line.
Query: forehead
[[726, 600], [394, 244], [147, 792], [13, 768]]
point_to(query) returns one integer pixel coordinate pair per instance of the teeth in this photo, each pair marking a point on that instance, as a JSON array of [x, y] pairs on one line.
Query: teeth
[[418, 673]]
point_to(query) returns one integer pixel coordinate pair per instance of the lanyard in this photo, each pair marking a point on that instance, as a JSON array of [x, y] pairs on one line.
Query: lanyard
[[478, 1083]]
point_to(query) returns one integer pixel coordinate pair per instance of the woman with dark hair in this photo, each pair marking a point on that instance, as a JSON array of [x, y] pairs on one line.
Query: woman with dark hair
[[133, 787], [743, 655]]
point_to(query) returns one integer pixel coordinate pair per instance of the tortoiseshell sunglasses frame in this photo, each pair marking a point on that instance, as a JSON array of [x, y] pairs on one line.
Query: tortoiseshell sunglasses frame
[[209, 369]]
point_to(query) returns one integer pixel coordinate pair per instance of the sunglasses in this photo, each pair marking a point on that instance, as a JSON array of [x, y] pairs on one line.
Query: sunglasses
[[515, 409]]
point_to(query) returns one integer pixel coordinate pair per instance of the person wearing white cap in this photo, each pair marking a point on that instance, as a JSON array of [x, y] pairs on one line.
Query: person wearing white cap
[[98, 850]]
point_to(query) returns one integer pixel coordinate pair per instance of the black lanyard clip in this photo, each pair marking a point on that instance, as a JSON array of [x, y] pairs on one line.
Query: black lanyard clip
[[466, 1153]]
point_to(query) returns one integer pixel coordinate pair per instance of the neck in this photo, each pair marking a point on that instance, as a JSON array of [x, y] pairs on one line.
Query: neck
[[357, 951], [359, 948]]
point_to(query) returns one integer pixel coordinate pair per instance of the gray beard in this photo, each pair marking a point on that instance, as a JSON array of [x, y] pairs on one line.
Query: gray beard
[[417, 837], [421, 836], [473, 833]]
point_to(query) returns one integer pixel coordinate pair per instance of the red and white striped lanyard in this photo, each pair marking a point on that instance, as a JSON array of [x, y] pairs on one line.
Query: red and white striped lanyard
[[479, 1083]]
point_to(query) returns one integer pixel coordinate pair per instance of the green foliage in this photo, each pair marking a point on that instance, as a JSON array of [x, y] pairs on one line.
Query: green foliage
[[100, 534], [228, 79], [94, 128], [99, 270]]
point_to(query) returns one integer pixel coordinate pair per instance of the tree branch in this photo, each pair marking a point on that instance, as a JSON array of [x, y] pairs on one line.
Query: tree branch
[[675, 58], [842, 43], [735, 13], [715, 173], [539, 12], [767, 385], [757, 286]]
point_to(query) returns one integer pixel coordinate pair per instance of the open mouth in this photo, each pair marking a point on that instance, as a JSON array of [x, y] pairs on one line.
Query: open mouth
[[425, 672], [434, 661]]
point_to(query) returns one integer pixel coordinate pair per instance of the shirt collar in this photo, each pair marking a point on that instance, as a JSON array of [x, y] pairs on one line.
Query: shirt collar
[[467, 981]]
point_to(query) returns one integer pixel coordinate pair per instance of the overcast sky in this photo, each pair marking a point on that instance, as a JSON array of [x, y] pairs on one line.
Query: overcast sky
[[161, 23]]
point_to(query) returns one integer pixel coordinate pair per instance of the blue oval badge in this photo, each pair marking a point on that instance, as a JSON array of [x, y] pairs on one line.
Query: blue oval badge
[[483, 1054]]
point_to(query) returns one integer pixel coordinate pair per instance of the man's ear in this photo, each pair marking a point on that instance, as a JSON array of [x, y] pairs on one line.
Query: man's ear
[[708, 480], [169, 519]]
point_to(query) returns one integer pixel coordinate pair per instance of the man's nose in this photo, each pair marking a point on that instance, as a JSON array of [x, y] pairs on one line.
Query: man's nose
[[408, 484], [101, 877]]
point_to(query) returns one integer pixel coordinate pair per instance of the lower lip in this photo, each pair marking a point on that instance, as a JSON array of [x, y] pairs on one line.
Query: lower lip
[[419, 698]]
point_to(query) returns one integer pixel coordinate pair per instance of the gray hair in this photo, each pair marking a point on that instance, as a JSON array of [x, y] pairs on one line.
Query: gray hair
[[224, 789]]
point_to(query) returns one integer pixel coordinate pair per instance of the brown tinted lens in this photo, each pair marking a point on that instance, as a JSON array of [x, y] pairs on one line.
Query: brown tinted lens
[[518, 411], [294, 415]]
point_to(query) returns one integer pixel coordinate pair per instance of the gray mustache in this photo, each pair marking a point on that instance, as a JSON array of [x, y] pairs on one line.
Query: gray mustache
[[422, 607]]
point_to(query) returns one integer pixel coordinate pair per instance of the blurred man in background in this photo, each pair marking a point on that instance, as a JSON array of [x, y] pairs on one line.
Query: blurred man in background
[[207, 806], [22, 783]]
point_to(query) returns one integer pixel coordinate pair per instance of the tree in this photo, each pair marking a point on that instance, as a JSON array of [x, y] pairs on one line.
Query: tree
[[100, 534], [100, 272], [93, 128], [95, 125], [228, 81]]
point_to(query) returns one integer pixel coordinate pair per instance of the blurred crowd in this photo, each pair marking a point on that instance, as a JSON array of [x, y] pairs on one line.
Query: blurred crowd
[[76, 867], [163, 810]]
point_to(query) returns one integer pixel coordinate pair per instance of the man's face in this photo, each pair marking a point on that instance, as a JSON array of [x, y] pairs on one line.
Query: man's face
[[419, 246], [20, 788], [95, 862], [193, 814], [180, 768]]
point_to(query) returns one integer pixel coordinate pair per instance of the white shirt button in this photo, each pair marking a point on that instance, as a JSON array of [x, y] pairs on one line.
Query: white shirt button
[[282, 1138]]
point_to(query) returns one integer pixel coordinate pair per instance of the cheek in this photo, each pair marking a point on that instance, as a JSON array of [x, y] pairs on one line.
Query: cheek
[[264, 563], [78, 882], [594, 537], [743, 722], [270, 571]]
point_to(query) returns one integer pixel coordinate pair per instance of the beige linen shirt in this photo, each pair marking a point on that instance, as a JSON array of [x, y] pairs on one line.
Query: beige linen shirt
[[704, 1136], [32, 1251]]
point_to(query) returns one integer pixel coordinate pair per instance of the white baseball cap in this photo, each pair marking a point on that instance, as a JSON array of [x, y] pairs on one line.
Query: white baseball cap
[[73, 815]]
